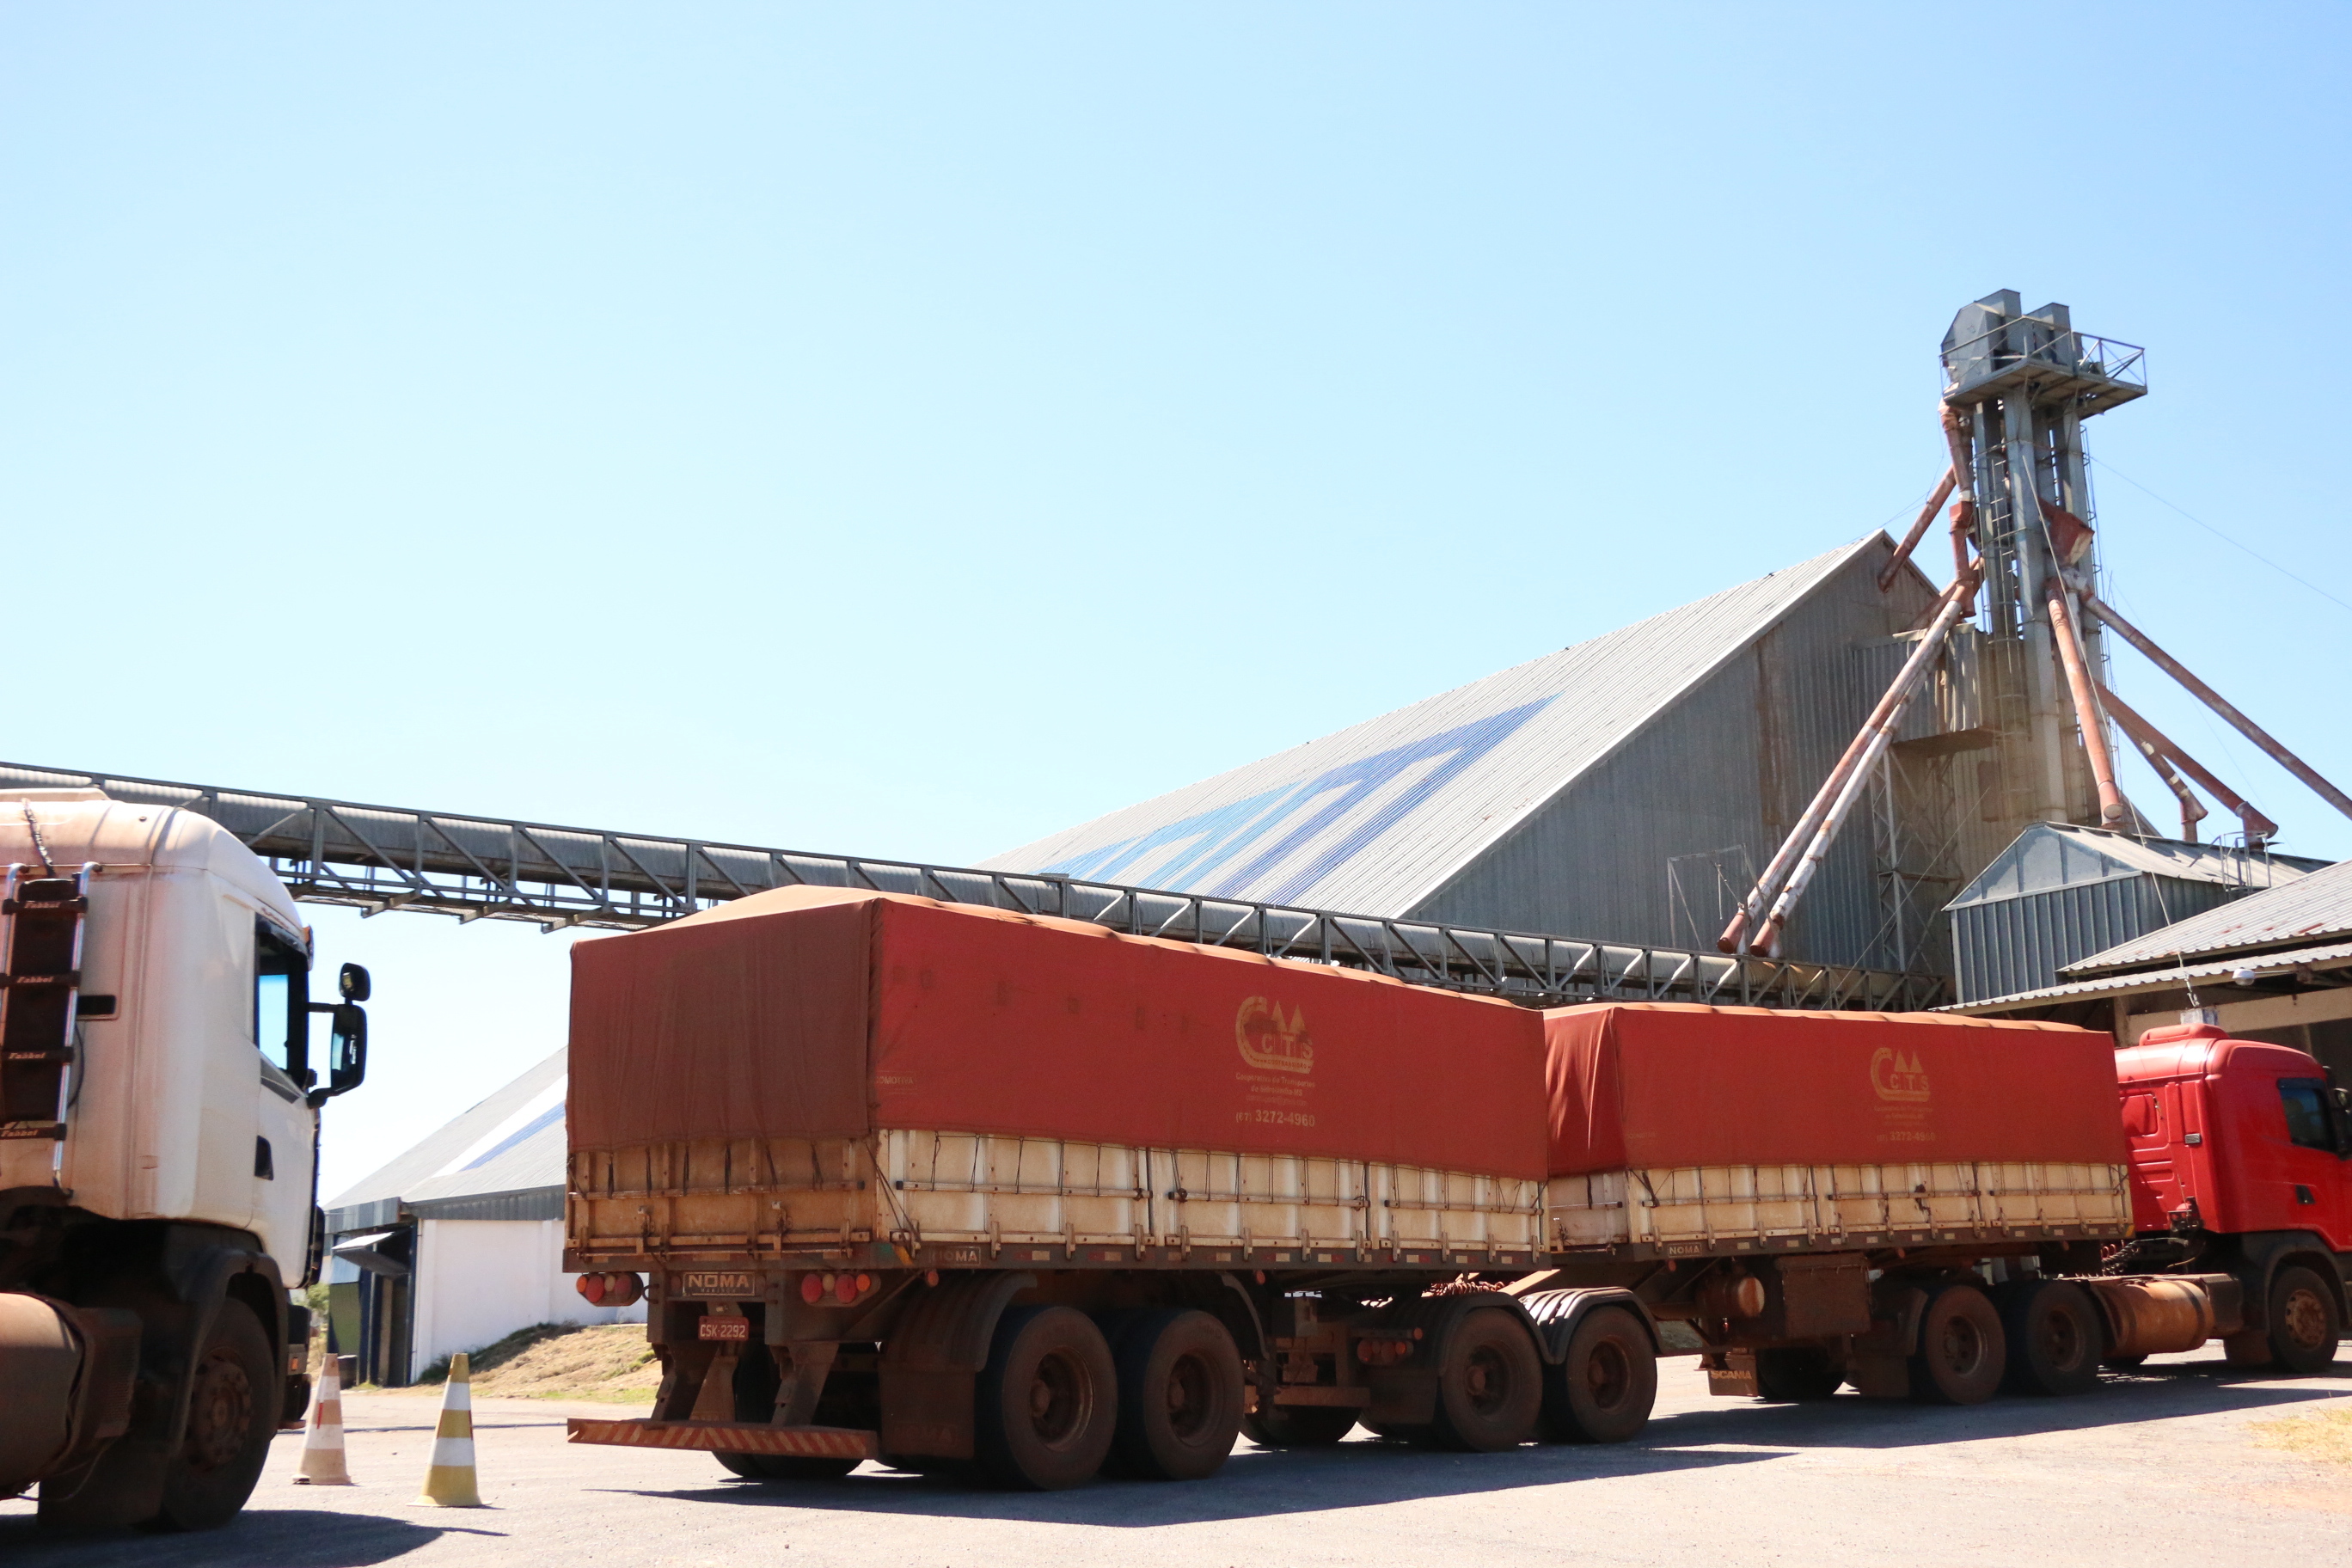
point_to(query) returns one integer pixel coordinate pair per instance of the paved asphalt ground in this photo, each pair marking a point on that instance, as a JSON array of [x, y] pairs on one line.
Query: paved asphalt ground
[[2145, 1464]]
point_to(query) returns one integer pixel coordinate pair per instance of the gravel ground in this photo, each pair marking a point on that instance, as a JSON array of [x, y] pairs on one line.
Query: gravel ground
[[2164, 1455]]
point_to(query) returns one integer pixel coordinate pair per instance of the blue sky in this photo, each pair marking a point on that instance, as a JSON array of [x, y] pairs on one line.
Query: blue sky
[[910, 431]]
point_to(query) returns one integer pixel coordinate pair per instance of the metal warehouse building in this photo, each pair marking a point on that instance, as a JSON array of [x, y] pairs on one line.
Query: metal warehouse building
[[2274, 965], [1626, 788], [2063, 893], [459, 1241]]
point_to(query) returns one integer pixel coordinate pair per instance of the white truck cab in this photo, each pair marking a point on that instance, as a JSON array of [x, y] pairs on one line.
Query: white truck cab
[[159, 1123]]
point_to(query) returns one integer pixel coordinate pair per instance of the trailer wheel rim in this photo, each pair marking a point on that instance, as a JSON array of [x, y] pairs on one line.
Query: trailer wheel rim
[[220, 1411], [2062, 1340], [1608, 1374], [1061, 1396], [1963, 1347], [2305, 1316], [1191, 1403], [1486, 1379]]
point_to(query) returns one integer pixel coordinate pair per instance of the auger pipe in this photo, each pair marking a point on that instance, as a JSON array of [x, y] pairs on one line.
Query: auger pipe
[[1956, 598], [1818, 852], [1918, 530], [2192, 810], [2087, 706], [2216, 701], [2150, 737], [1964, 499]]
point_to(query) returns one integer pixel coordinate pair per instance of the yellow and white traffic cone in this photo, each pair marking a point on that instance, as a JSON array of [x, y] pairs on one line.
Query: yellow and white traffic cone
[[450, 1483], [322, 1446]]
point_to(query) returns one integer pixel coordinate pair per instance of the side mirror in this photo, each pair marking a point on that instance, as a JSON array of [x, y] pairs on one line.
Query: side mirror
[[353, 982], [347, 1054]]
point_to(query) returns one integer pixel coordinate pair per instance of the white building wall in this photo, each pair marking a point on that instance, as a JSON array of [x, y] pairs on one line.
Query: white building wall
[[478, 1280]]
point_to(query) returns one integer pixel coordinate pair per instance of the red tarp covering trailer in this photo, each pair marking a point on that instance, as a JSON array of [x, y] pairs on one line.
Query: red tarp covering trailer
[[823, 1012], [1671, 1085]]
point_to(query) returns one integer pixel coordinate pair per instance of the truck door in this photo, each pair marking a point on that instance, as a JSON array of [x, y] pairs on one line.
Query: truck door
[[2311, 1161], [282, 1147], [2152, 1135]]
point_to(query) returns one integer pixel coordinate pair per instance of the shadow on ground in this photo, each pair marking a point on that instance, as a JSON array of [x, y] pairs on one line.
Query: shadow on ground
[[260, 1538], [1258, 1483]]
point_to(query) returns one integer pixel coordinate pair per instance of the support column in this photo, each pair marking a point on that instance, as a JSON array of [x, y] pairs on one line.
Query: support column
[[2045, 746]]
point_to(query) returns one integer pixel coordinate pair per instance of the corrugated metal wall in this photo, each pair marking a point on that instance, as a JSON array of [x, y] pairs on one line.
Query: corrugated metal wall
[[2017, 944], [1731, 765]]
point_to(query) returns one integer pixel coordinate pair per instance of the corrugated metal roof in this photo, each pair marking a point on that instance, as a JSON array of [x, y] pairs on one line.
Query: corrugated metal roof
[[2318, 905], [511, 1140], [1377, 818], [2337, 955], [2053, 855]]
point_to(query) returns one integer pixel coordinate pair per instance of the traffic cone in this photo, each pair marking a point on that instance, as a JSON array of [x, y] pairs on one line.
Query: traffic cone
[[322, 1446], [450, 1483]]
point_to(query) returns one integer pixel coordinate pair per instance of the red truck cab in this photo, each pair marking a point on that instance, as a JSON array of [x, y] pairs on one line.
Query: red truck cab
[[2240, 1160]]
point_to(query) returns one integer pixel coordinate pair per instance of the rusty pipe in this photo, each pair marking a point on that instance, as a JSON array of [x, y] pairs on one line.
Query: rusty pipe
[[1964, 495], [2086, 708], [1918, 530], [1817, 852], [2214, 700], [2150, 737], [1962, 593], [2192, 810]]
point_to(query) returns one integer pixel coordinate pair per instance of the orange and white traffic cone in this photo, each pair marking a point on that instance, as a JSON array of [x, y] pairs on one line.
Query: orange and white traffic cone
[[450, 1483], [322, 1446]]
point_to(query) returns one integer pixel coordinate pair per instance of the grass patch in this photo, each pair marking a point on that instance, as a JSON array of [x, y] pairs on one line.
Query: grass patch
[[2326, 1436], [610, 1363]]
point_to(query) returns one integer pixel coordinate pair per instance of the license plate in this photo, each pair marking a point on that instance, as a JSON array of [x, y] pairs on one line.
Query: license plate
[[725, 1328]]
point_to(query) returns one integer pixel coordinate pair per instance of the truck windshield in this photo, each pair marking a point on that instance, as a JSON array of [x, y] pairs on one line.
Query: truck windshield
[[281, 997], [2306, 1100]]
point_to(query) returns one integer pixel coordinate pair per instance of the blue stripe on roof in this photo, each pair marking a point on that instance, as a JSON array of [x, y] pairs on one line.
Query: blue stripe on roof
[[540, 1123]]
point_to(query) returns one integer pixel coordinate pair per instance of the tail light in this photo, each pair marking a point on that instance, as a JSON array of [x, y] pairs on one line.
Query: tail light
[[609, 1290]]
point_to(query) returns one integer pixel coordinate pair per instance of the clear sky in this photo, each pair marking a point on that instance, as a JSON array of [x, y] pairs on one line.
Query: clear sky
[[908, 431]]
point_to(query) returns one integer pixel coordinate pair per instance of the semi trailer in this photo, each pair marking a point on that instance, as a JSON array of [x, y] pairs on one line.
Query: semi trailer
[[959, 1188], [158, 1158]]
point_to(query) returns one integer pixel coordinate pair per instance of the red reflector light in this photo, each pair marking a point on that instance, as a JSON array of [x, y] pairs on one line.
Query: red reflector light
[[845, 1288], [591, 1287], [812, 1288]]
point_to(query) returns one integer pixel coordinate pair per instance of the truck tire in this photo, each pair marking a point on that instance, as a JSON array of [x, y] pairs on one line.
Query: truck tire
[[1046, 1403], [1961, 1349], [1489, 1384], [1605, 1383], [2303, 1324], [1796, 1375], [2055, 1338], [1180, 1396], [785, 1466], [1298, 1426], [233, 1403]]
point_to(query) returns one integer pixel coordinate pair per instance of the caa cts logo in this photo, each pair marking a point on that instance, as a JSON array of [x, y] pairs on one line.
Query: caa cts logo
[[1897, 1077], [1272, 1042]]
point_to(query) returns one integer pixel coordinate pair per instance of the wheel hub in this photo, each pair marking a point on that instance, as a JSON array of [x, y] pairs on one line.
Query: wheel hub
[[220, 1411], [1057, 1399], [2305, 1318], [1608, 1374]]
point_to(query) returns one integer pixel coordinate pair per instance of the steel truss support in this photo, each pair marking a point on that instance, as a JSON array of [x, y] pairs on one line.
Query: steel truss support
[[378, 858]]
